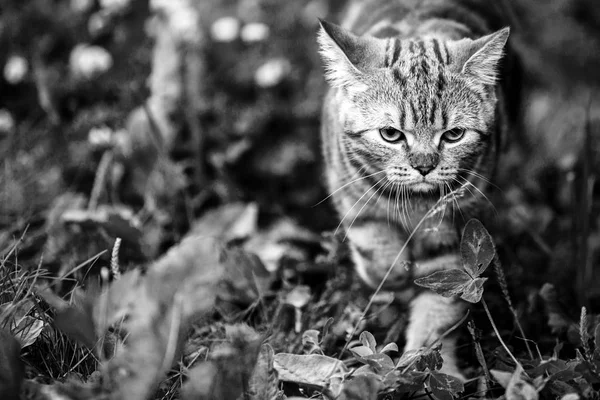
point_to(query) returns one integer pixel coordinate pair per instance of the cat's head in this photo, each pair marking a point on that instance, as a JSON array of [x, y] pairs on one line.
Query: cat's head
[[422, 109]]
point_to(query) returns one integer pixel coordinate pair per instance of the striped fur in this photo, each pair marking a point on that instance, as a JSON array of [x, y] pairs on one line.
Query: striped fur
[[423, 68]]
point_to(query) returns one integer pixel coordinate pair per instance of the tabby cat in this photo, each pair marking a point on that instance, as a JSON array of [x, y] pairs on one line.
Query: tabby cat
[[414, 114]]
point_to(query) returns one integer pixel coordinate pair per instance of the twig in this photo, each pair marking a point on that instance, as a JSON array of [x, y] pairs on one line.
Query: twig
[[100, 179], [489, 315], [506, 294]]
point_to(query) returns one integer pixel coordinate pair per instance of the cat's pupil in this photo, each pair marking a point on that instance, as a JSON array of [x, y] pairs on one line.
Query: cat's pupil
[[391, 135]]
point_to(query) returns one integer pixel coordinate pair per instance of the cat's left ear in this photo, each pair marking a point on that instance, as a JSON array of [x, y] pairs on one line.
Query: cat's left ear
[[484, 55]]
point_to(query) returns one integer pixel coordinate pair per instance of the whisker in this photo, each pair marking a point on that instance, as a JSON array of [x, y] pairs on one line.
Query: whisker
[[478, 175], [347, 184], [364, 205], [482, 194]]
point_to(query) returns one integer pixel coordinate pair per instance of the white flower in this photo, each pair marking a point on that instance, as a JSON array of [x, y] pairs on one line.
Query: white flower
[[100, 136], [115, 5], [88, 61], [81, 6], [7, 122], [272, 72], [255, 32], [185, 24], [15, 69], [225, 29]]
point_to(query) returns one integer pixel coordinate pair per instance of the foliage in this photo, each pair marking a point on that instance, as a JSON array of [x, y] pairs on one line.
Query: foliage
[[182, 135]]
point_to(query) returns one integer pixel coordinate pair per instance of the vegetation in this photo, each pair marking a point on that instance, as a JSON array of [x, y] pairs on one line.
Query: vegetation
[[163, 233]]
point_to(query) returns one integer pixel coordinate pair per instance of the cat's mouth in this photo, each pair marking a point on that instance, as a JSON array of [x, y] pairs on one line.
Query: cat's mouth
[[423, 186]]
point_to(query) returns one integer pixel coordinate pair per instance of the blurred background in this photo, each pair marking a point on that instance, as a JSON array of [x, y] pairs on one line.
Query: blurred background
[[146, 119]]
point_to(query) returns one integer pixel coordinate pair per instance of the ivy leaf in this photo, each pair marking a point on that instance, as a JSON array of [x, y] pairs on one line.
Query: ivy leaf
[[473, 291], [410, 381], [446, 283], [367, 339], [454, 282], [446, 383], [476, 248]]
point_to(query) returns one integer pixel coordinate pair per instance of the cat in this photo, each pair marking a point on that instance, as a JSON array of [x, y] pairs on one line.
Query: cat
[[413, 119]]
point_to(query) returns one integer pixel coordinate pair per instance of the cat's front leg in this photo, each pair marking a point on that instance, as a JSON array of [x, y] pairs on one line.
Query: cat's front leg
[[431, 315], [375, 246]]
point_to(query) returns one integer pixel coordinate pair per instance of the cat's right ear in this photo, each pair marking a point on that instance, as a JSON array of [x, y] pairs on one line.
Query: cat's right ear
[[344, 55]]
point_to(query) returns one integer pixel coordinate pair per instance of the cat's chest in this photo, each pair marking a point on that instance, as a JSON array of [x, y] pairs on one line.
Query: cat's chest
[[435, 237]]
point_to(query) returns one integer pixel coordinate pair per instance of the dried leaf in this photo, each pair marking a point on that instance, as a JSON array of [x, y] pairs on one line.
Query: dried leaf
[[12, 370], [476, 248], [245, 276], [264, 382], [158, 308], [25, 328], [28, 330], [227, 373], [313, 369]]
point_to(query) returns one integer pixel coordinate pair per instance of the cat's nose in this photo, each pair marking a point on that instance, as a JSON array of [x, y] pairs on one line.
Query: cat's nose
[[425, 169], [424, 162]]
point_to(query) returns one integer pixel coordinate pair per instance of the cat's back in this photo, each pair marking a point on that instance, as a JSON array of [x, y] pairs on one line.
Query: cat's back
[[406, 18]]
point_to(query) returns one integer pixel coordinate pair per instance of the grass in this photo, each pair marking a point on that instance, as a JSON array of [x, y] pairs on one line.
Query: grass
[[173, 290]]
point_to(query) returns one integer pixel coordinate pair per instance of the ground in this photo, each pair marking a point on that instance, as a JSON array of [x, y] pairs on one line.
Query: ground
[[163, 232]]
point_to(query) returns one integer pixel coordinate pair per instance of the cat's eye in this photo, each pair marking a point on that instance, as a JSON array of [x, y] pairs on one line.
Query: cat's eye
[[391, 135], [453, 135]]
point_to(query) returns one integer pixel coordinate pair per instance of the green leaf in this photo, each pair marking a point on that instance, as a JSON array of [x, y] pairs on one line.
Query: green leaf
[[367, 339], [361, 387], [381, 363], [361, 351], [473, 290], [446, 283], [476, 248], [390, 347]]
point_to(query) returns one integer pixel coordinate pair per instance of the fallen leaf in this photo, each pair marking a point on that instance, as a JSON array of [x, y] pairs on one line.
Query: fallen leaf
[[12, 370], [313, 369], [264, 382]]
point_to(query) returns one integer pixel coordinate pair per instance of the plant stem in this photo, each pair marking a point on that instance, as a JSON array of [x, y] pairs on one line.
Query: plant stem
[[489, 315]]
